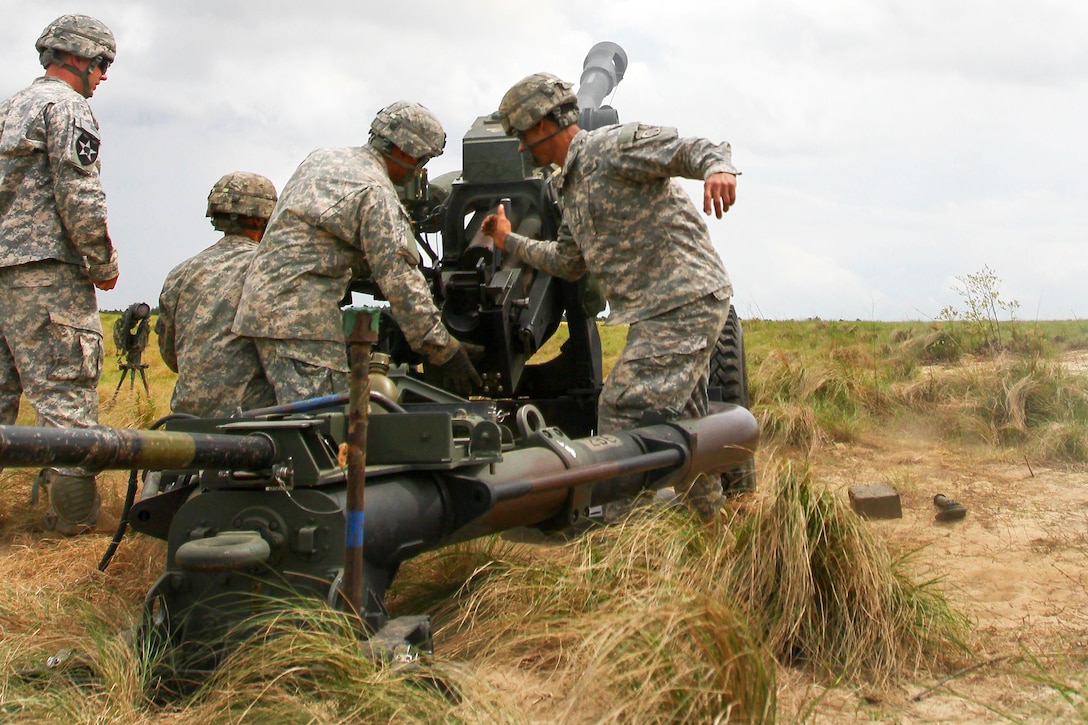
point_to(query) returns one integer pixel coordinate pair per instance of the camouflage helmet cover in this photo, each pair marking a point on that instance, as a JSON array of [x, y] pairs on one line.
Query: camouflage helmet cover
[[411, 128], [80, 35], [531, 99], [244, 194]]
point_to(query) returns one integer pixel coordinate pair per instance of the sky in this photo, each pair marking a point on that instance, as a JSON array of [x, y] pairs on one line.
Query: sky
[[889, 150]]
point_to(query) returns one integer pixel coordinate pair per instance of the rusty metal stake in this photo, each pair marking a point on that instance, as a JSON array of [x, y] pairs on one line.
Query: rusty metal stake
[[361, 327]]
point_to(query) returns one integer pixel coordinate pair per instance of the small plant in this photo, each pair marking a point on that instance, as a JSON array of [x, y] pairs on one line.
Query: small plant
[[980, 293]]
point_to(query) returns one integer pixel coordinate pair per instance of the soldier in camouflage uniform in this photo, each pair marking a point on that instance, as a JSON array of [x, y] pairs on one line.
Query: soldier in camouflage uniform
[[219, 373], [55, 249], [630, 225], [339, 217]]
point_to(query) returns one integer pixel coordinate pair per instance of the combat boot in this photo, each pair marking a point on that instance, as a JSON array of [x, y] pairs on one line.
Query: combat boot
[[73, 500]]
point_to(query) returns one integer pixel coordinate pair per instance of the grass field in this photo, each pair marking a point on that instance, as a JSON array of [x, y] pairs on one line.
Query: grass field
[[789, 608]]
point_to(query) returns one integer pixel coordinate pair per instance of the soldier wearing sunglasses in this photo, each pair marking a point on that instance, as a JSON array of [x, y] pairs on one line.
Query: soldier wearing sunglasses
[[55, 250]]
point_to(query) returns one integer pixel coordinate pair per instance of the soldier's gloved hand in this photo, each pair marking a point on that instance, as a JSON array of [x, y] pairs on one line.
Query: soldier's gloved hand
[[475, 353], [457, 375]]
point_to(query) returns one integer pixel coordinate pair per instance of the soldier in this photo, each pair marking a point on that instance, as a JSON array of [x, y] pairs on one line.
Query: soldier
[[630, 225], [219, 373], [54, 250], [338, 218]]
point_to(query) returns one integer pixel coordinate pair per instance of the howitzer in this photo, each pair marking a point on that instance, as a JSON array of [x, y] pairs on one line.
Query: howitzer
[[253, 508]]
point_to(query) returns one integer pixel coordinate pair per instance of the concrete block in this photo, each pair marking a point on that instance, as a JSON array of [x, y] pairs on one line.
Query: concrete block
[[876, 501]]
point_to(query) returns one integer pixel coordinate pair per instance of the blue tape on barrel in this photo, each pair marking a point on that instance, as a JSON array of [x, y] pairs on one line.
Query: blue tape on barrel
[[355, 529]]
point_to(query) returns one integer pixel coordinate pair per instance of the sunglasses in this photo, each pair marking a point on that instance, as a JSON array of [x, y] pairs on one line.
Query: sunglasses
[[102, 62], [530, 145]]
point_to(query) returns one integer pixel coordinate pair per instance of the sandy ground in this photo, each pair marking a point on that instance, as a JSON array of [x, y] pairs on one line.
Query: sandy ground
[[1015, 565]]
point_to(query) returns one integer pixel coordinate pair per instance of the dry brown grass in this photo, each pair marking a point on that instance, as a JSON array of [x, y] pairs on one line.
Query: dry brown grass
[[602, 616], [656, 620], [826, 593]]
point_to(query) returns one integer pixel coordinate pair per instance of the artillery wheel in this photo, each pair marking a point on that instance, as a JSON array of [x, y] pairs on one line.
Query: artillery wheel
[[729, 373]]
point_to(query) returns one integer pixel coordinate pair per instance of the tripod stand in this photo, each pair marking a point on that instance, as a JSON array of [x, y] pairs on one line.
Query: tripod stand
[[130, 369], [130, 333]]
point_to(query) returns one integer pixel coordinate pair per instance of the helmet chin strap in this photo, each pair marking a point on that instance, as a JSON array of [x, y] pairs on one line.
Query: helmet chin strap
[[539, 141], [404, 165], [413, 170], [83, 75]]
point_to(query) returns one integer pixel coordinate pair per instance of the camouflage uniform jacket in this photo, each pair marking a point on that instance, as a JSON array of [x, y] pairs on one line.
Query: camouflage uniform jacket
[[338, 217], [196, 309], [51, 200], [630, 224]]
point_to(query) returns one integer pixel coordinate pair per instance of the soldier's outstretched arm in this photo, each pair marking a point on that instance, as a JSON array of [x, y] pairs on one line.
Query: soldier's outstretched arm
[[385, 236], [719, 193]]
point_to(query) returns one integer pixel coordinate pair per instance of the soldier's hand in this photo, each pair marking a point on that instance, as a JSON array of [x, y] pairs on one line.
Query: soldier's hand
[[106, 284], [719, 193], [475, 352], [497, 226], [457, 375]]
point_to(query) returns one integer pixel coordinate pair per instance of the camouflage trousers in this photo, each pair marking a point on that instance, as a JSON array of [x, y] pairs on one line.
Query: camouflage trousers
[[223, 402], [50, 344], [303, 369], [665, 366]]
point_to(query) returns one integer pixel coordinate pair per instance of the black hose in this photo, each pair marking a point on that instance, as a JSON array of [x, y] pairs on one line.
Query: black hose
[[122, 525], [130, 498]]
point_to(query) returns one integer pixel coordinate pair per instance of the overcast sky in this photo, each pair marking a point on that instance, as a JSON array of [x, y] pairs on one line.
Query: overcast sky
[[887, 148]]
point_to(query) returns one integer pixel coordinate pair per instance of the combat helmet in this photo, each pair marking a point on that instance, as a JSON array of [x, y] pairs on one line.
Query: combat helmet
[[79, 35], [534, 97], [240, 194], [411, 128]]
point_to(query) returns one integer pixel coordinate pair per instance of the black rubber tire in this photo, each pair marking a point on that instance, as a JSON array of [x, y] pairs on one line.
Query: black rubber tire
[[729, 373], [727, 367]]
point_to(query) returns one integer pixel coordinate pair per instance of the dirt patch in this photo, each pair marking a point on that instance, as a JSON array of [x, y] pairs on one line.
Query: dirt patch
[[1076, 361], [1016, 565]]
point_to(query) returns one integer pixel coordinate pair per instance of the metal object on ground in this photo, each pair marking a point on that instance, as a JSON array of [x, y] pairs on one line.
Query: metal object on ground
[[876, 501], [948, 509]]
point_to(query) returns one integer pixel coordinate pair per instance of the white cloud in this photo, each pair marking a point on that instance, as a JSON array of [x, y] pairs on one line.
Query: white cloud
[[886, 148]]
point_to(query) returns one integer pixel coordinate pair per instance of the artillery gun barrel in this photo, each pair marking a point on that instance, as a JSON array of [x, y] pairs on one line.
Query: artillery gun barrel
[[602, 70], [535, 484], [100, 448]]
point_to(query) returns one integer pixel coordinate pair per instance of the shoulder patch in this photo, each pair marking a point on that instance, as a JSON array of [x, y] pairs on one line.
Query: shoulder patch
[[86, 146], [633, 134], [627, 132]]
